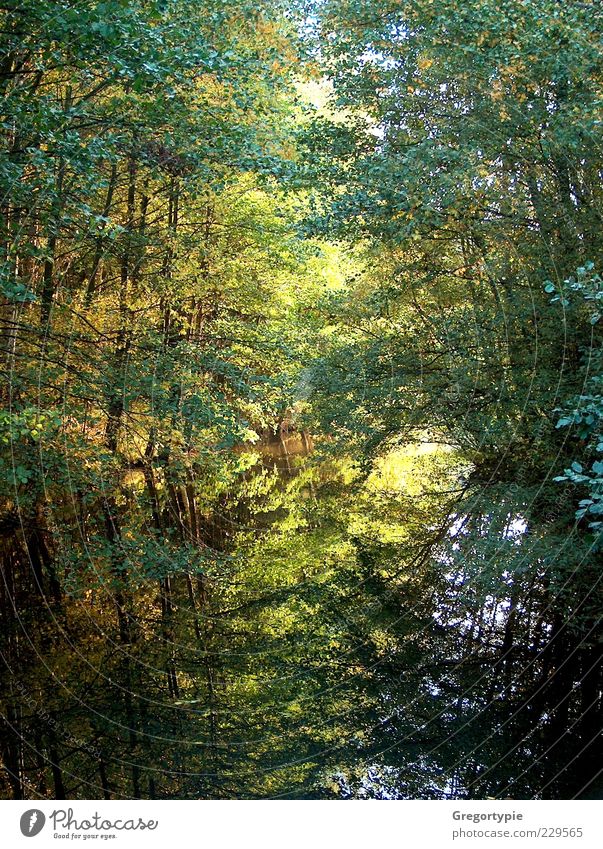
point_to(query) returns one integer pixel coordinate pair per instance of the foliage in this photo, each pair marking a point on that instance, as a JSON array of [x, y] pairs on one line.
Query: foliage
[[300, 426]]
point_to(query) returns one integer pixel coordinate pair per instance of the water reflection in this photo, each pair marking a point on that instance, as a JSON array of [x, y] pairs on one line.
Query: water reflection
[[325, 635]]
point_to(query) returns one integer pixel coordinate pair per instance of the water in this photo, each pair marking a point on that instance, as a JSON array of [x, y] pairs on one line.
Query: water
[[296, 640]]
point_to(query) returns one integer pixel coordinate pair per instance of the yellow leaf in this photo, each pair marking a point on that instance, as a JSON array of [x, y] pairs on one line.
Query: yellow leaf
[[496, 92]]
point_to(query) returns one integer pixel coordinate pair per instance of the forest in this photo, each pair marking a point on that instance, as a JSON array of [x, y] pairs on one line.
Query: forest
[[301, 399]]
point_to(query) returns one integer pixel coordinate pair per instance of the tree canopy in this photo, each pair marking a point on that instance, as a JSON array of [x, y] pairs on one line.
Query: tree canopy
[[301, 413]]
